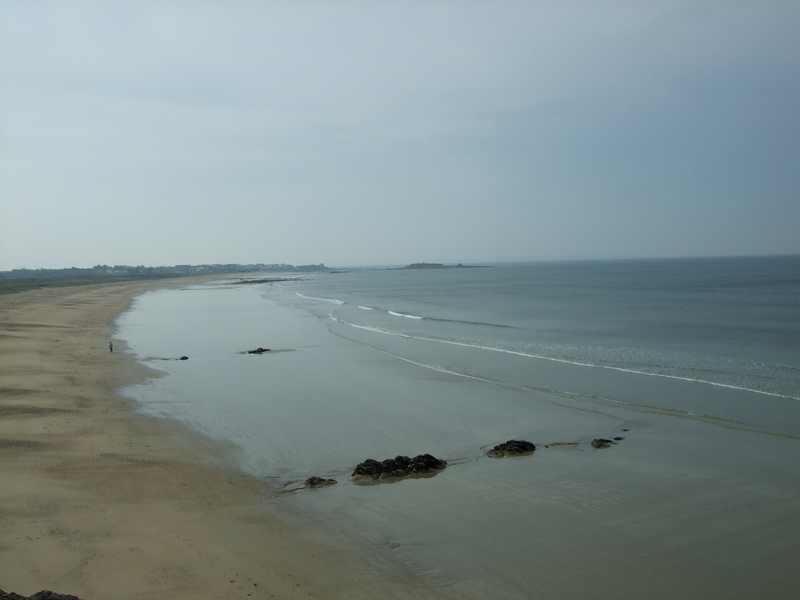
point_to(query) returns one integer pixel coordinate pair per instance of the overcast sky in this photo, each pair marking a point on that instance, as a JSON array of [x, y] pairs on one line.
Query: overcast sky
[[364, 133]]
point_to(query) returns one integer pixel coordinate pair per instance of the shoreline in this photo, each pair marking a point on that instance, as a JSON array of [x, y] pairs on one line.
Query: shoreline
[[101, 502], [681, 508]]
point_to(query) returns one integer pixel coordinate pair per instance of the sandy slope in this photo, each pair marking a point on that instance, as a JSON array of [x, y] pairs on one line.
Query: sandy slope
[[101, 503]]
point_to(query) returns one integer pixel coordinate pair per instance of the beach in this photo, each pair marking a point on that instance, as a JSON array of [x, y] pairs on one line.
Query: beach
[[125, 478], [99, 502]]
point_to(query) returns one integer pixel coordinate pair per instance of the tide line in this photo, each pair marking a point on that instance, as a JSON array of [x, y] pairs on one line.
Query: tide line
[[333, 300], [565, 361], [397, 314]]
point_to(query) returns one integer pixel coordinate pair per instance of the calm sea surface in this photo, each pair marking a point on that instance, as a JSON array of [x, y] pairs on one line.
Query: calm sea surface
[[695, 363], [732, 324]]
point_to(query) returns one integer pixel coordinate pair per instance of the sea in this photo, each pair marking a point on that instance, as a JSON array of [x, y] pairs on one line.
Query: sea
[[731, 324], [371, 363]]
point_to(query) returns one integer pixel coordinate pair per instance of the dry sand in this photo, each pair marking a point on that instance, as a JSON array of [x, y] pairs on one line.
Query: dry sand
[[102, 503]]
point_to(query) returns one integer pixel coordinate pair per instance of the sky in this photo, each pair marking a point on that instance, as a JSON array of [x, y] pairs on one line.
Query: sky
[[391, 132]]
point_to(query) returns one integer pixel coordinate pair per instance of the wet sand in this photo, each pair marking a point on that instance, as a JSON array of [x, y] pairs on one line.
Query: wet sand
[[104, 503], [100, 502], [683, 507]]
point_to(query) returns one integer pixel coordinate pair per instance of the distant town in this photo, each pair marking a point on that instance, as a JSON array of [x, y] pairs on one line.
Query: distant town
[[20, 280], [173, 271], [127, 271]]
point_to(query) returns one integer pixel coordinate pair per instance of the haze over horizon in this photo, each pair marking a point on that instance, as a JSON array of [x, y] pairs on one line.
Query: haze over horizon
[[384, 133]]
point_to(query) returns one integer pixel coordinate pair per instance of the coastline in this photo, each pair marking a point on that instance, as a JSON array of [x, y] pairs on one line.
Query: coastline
[[682, 507], [101, 502]]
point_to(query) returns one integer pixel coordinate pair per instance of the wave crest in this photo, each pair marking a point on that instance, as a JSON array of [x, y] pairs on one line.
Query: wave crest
[[398, 314], [333, 300]]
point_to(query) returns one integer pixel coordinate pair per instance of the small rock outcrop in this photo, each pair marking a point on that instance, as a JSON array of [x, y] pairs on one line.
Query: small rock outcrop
[[258, 350], [43, 595], [399, 466], [511, 448], [315, 482], [601, 443], [184, 358]]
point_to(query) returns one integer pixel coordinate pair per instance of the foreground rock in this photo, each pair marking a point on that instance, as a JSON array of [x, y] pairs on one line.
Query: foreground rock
[[399, 466], [511, 448], [315, 482], [43, 595]]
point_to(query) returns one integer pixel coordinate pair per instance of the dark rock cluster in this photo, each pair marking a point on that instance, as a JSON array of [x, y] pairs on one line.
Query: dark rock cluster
[[43, 595], [600, 443], [403, 466], [315, 482], [511, 448], [258, 350], [399, 466]]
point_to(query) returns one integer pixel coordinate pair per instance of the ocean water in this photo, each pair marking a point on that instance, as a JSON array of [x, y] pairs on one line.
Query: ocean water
[[732, 325], [695, 363]]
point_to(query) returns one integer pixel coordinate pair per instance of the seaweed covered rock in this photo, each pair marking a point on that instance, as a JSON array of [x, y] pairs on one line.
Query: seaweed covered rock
[[425, 463], [399, 466], [512, 448], [601, 443], [315, 482]]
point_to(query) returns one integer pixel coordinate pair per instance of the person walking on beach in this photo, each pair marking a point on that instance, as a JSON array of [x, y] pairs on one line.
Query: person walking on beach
[[110, 347]]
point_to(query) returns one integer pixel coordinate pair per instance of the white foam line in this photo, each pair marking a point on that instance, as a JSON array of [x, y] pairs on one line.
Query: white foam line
[[576, 396], [334, 301], [580, 364], [365, 327], [397, 314], [572, 362], [366, 307], [572, 395]]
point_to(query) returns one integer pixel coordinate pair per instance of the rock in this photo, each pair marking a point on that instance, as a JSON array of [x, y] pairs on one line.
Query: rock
[[394, 467], [425, 463], [369, 469], [184, 358], [258, 350], [43, 595], [511, 448], [315, 482], [619, 439], [397, 467], [601, 443]]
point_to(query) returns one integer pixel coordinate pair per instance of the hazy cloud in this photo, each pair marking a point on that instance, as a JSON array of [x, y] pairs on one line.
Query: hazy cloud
[[391, 132]]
